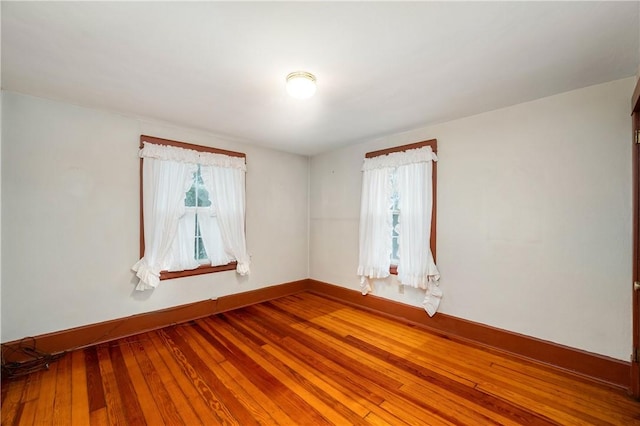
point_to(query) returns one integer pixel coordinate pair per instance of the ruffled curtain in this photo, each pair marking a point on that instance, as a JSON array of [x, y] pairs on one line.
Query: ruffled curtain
[[413, 180], [227, 193], [397, 159], [182, 155], [181, 256], [165, 183], [376, 224], [169, 228], [417, 267], [211, 237]]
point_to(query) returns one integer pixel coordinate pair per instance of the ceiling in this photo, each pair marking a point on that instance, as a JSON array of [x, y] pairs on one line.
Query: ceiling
[[382, 68]]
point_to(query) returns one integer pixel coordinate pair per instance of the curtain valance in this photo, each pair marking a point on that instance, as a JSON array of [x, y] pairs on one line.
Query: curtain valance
[[183, 155], [397, 159]]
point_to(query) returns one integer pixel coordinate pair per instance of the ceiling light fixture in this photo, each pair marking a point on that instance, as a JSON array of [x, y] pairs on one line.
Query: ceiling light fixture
[[301, 84]]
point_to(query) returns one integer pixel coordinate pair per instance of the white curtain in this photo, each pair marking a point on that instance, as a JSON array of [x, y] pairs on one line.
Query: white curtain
[[211, 237], [227, 194], [169, 227], [376, 224], [165, 183], [417, 267], [413, 180], [181, 256]]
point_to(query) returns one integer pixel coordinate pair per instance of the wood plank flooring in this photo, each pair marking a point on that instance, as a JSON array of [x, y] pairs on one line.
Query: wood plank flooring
[[304, 360]]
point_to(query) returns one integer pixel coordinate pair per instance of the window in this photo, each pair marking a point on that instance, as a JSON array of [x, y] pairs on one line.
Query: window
[[395, 233], [397, 219], [197, 196], [433, 144], [395, 257], [192, 211]]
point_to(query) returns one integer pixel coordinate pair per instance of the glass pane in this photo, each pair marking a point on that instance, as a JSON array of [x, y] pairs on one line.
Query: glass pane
[[395, 204], [200, 252], [197, 195], [396, 224], [202, 193], [203, 196], [394, 252], [190, 196], [394, 237], [198, 234]]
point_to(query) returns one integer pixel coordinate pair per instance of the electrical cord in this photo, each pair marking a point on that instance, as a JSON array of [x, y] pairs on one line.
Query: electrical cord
[[37, 360]]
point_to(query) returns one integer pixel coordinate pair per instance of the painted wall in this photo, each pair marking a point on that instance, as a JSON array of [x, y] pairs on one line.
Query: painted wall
[[534, 218], [70, 218], [1, 96], [638, 71]]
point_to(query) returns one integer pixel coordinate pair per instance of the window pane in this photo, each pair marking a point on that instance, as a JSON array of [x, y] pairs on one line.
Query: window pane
[[394, 237], [396, 223], [190, 196], [203, 194], [199, 251], [395, 233], [197, 195]]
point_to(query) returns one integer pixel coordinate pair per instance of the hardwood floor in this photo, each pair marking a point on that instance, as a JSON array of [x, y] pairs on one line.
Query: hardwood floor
[[304, 360]]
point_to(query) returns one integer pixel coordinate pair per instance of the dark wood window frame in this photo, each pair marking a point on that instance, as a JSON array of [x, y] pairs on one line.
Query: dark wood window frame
[[203, 269], [433, 143]]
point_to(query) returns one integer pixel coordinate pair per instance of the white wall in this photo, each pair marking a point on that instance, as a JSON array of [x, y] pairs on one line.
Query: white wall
[[534, 218], [70, 218], [1, 95], [638, 71]]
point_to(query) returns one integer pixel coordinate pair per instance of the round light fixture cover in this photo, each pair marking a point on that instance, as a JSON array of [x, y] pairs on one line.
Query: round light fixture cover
[[301, 84]]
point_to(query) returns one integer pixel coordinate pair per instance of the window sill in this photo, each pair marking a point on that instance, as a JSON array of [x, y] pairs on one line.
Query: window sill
[[393, 269], [204, 269]]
